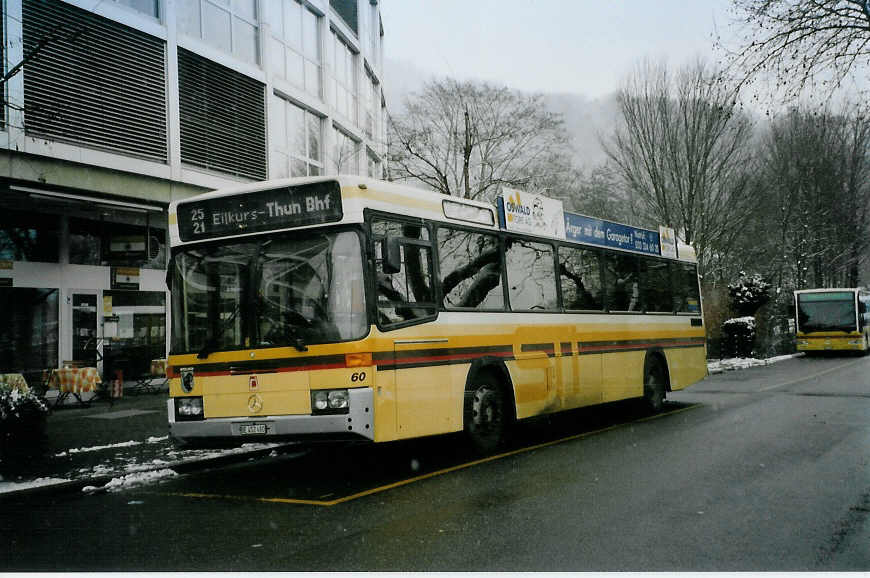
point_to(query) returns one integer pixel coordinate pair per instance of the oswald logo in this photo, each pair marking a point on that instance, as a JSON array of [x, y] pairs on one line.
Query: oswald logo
[[514, 207]]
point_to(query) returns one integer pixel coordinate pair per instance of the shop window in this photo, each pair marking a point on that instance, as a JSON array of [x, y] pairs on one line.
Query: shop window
[[28, 236], [136, 331], [29, 340], [131, 240]]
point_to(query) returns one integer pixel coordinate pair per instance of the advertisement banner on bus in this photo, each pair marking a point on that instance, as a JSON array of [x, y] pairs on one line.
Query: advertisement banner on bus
[[668, 242], [585, 229], [523, 212]]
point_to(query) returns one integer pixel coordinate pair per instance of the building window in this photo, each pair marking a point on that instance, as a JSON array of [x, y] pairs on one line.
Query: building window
[[373, 24], [149, 7], [344, 72], [374, 165], [347, 10], [345, 153], [230, 27], [97, 83], [295, 44], [372, 95], [223, 117], [296, 140], [29, 236]]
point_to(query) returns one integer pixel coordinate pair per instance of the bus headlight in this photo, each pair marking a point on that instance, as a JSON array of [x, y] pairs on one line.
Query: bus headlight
[[329, 401], [188, 408], [338, 399], [856, 342], [802, 342]]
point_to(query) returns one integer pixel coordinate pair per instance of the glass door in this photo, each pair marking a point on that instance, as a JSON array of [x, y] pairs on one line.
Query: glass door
[[84, 328]]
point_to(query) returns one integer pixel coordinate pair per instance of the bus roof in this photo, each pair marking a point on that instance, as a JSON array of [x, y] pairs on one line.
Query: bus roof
[[831, 290], [357, 195]]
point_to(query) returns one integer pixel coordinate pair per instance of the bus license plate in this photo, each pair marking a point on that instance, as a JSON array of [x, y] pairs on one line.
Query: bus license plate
[[247, 429]]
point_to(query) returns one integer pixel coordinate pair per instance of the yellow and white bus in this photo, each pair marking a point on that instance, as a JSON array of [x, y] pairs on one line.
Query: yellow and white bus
[[351, 308], [833, 319]]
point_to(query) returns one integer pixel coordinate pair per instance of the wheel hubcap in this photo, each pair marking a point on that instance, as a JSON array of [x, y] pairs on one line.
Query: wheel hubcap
[[483, 411]]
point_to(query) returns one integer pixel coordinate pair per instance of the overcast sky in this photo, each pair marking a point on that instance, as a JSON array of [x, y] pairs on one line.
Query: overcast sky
[[558, 46]]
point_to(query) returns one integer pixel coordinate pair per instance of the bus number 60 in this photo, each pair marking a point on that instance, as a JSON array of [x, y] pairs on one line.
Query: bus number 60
[[358, 376]]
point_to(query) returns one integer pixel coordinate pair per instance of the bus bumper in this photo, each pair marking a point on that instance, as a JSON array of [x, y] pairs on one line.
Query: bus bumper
[[358, 422], [836, 344]]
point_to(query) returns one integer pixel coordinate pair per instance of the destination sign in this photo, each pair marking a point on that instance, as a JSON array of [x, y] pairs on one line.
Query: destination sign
[[607, 234], [269, 210]]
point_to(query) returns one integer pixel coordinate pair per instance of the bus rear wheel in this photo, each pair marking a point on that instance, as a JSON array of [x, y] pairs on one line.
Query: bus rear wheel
[[486, 416], [654, 386]]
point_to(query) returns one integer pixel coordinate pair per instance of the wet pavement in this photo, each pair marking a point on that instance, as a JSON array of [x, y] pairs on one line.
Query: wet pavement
[[104, 443]]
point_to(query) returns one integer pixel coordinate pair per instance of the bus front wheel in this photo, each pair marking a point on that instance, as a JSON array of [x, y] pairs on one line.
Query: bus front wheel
[[486, 414], [654, 385]]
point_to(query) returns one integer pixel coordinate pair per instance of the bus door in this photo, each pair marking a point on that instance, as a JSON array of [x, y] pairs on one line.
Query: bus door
[[534, 374], [586, 386], [426, 403]]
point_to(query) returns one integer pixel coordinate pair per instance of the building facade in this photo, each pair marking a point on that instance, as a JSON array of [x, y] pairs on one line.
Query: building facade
[[112, 109]]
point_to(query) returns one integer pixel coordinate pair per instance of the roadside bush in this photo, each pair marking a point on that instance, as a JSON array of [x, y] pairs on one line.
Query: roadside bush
[[738, 337], [22, 420], [748, 293]]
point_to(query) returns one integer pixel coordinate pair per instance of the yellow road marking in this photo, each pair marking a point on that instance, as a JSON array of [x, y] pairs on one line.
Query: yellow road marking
[[405, 482], [809, 377]]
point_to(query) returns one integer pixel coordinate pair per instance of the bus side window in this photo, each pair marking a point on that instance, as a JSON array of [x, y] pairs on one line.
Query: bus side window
[[470, 268], [623, 285], [530, 275], [656, 283], [405, 295], [580, 276], [687, 298]]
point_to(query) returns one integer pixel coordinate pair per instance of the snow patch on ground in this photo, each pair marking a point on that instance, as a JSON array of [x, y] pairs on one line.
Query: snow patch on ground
[[128, 444], [744, 363], [134, 480], [38, 482]]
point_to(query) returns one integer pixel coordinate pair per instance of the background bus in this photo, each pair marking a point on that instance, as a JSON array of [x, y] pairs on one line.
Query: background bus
[[833, 319], [350, 308]]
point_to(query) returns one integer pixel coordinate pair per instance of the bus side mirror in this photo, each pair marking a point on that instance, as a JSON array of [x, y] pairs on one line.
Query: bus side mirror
[[392, 262]]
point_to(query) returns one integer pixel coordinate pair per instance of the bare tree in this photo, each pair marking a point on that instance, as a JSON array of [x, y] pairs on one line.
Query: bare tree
[[799, 43], [816, 168], [598, 193], [682, 150], [467, 138]]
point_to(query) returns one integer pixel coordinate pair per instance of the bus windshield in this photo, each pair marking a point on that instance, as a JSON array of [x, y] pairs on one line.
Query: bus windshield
[[276, 291], [826, 312]]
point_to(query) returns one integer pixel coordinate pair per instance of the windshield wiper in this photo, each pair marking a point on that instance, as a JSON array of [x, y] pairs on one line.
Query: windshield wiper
[[295, 339]]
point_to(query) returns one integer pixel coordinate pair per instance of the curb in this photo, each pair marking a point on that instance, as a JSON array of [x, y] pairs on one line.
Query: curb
[[99, 482]]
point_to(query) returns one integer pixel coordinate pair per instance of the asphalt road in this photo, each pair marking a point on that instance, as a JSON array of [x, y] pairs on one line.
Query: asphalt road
[[760, 469]]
